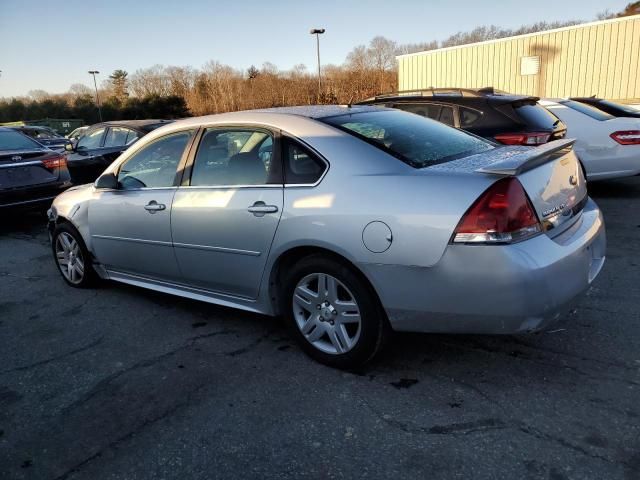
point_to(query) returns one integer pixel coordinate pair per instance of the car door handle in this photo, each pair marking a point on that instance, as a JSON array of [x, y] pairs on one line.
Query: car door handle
[[153, 206], [260, 208]]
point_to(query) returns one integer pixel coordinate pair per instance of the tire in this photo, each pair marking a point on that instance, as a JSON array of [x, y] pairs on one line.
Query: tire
[[333, 313], [69, 248]]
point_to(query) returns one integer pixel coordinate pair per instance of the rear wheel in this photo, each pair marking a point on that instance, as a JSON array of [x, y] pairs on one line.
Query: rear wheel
[[333, 313], [72, 257]]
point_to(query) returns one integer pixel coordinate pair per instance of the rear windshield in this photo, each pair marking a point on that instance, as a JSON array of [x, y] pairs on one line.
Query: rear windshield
[[537, 116], [593, 112], [619, 107], [415, 140], [12, 140]]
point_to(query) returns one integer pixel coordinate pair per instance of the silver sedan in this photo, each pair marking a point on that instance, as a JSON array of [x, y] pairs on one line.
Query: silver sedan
[[350, 222]]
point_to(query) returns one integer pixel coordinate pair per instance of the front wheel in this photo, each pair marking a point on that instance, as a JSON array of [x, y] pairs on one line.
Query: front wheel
[[333, 312], [72, 257]]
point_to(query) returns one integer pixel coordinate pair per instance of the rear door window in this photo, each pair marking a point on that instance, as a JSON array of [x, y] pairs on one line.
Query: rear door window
[[116, 137], [417, 141], [434, 111], [235, 156]]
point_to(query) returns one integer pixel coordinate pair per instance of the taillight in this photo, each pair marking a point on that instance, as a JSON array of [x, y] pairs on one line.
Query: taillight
[[627, 137], [502, 214], [55, 162], [523, 138]]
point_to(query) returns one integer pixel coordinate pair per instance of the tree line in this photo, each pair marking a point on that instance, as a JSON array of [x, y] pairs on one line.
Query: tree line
[[179, 91]]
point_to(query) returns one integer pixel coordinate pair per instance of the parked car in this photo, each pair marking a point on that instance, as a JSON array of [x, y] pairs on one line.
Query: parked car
[[31, 174], [362, 220], [493, 114], [44, 136], [607, 146], [607, 106], [102, 143], [75, 135]]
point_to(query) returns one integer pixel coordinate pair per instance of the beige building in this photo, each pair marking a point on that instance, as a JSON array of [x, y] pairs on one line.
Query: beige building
[[601, 58]]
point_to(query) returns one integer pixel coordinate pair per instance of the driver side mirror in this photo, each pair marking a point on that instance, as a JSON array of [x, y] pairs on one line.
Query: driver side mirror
[[107, 181]]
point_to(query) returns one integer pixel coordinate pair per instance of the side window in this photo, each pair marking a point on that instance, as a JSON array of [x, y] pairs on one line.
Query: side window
[[446, 115], [235, 156], [301, 166], [154, 165], [132, 136], [429, 110], [91, 139], [468, 117], [116, 137], [30, 132], [43, 134]]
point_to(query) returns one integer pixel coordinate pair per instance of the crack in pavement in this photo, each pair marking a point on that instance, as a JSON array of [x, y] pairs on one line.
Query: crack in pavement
[[54, 358], [22, 277], [102, 384], [124, 438], [475, 347], [489, 424]]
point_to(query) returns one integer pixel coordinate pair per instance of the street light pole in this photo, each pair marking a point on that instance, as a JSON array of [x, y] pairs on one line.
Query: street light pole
[[94, 73], [317, 32]]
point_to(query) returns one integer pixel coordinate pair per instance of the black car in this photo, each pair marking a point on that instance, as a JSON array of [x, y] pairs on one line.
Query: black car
[[45, 136], [607, 106], [30, 173], [500, 116], [102, 143]]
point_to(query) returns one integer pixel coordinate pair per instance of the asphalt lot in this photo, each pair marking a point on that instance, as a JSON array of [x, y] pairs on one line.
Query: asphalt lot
[[123, 383]]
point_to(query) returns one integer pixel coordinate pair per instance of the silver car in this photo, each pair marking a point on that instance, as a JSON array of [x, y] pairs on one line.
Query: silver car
[[349, 222]]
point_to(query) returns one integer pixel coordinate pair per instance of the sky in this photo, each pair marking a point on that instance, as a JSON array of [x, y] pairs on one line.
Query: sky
[[50, 45]]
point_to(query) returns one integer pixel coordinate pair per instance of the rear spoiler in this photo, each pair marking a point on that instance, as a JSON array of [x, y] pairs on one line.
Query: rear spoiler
[[521, 161]]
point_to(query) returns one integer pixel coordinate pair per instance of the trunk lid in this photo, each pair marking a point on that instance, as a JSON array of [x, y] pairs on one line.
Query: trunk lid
[[552, 177], [20, 168], [550, 174]]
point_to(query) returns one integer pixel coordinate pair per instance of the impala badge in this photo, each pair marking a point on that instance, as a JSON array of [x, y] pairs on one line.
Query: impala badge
[[16, 158], [556, 209], [573, 180]]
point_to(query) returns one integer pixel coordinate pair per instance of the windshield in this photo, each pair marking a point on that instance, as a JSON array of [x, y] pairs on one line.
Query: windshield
[[12, 140], [415, 140]]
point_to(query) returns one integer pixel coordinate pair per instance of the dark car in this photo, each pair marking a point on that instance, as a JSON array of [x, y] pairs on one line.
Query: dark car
[[45, 136], [30, 173], [102, 143], [500, 116], [607, 106]]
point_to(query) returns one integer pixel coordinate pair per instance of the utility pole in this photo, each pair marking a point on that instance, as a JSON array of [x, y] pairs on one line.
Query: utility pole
[[94, 73], [317, 32]]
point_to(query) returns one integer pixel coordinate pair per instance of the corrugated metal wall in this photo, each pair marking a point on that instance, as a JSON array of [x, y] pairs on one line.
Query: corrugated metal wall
[[601, 58]]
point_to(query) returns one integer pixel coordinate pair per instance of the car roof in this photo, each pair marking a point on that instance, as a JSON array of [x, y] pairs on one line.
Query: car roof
[[28, 127], [319, 111], [139, 124], [282, 114], [452, 94]]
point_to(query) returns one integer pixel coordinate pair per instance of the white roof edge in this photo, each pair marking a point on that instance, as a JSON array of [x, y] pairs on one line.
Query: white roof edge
[[505, 39]]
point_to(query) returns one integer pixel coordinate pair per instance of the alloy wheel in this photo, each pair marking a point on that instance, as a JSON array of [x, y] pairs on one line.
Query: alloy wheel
[[326, 313], [69, 258]]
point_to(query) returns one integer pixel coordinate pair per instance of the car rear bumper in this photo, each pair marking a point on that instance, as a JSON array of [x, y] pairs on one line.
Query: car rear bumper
[[32, 196], [492, 289]]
